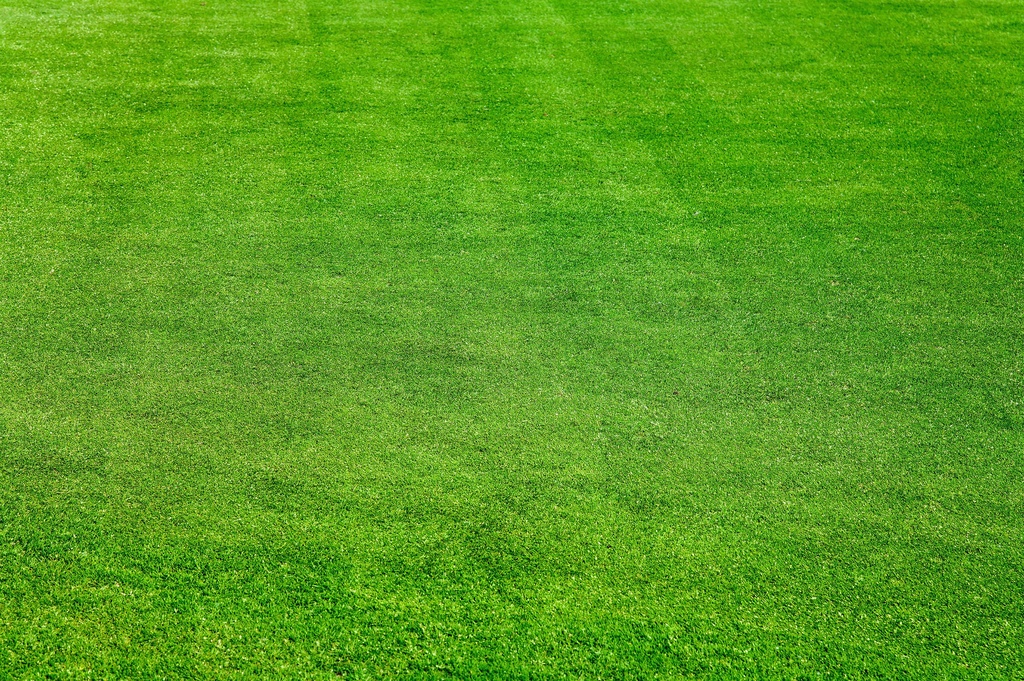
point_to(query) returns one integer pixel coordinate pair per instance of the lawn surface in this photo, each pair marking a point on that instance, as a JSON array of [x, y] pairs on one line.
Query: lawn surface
[[520, 339]]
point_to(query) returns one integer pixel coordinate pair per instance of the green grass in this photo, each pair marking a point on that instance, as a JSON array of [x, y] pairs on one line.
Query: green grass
[[512, 339]]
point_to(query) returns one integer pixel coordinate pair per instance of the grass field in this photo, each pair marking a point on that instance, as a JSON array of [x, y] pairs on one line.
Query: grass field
[[512, 339]]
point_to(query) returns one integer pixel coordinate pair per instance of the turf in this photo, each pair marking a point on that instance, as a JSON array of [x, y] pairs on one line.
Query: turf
[[536, 339]]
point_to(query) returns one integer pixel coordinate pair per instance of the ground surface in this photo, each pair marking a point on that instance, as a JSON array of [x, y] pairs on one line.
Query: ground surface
[[534, 339]]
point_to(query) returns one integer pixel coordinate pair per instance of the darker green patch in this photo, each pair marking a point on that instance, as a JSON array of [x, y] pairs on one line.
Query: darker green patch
[[275, 491]]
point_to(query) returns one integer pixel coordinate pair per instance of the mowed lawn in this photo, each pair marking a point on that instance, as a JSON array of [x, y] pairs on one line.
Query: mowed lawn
[[511, 339]]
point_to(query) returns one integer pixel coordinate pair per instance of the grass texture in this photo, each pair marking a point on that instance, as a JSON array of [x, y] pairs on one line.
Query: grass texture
[[533, 339]]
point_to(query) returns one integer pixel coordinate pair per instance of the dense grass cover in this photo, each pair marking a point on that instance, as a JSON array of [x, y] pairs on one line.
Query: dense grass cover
[[527, 339]]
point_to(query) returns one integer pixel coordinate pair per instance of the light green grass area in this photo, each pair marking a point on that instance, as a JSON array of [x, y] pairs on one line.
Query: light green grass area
[[511, 339]]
